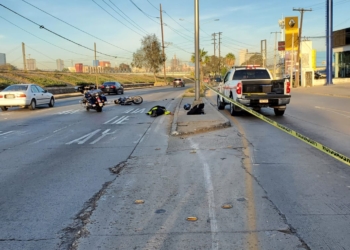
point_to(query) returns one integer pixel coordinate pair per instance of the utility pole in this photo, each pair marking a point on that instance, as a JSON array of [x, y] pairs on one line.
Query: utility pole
[[24, 57], [329, 32], [263, 52], [96, 65], [297, 74], [161, 24], [196, 49], [214, 34], [274, 57], [292, 61], [219, 52]]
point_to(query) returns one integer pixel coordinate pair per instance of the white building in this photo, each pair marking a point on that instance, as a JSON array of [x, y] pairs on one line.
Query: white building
[[60, 64], [31, 64], [242, 56], [2, 59]]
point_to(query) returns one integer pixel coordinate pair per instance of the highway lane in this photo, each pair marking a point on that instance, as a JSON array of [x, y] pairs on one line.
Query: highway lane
[[308, 188], [55, 163]]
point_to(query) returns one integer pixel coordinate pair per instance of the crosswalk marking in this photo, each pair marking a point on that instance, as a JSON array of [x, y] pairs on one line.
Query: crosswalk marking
[[71, 111], [134, 111], [6, 133], [88, 136], [116, 120], [84, 138], [128, 111]]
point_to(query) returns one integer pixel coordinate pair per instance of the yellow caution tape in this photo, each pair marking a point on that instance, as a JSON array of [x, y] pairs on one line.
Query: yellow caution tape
[[315, 144]]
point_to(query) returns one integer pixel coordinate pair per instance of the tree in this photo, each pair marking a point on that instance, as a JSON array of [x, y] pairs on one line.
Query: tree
[[150, 55], [7, 67], [203, 59], [255, 59], [124, 67], [230, 60]]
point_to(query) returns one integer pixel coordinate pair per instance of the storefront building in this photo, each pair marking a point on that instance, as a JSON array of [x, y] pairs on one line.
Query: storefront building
[[341, 52]]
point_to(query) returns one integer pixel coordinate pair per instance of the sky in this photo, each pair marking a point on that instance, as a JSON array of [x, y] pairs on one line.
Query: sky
[[71, 27]]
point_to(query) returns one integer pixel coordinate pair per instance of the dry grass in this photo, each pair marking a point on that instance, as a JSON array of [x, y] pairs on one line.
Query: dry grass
[[191, 92], [50, 79]]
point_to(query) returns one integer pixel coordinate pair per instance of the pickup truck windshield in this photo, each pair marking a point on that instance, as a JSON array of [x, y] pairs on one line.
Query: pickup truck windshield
[[251, 74]]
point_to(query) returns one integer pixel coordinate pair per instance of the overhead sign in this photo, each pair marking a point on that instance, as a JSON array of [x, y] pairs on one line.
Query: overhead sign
[[291, 29], [281, 46]]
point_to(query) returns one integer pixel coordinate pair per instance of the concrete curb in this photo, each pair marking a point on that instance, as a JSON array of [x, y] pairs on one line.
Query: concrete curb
[[214, 126], [174, 131]]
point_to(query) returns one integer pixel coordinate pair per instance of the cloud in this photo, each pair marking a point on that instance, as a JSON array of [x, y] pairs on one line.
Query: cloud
[[1, 36]]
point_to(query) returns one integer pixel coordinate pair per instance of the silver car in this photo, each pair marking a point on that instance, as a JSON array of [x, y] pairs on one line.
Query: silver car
[[25, 95]]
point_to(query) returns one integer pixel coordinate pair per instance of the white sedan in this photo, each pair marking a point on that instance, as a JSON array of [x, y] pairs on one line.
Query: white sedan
[[25, 95]]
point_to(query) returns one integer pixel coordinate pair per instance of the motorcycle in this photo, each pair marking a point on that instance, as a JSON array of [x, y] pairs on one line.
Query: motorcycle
[[128, 100], [94, 99]]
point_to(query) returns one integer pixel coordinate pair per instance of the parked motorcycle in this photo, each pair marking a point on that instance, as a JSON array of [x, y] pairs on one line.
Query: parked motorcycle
[[94, 99], [128, 100]]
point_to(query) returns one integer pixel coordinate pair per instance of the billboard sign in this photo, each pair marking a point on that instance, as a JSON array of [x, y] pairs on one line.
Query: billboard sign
[[291, 29], [281, 46]]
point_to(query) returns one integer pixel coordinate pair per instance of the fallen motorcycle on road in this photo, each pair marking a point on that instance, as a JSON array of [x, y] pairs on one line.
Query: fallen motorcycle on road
[[128, 100]]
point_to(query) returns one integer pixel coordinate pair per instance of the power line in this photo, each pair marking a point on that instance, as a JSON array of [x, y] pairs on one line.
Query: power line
[[41, 38], [116, 18], [43, 27], [149, 16], [128, 17], [40, 53], [75, 26], [153, 5], [140, 29]]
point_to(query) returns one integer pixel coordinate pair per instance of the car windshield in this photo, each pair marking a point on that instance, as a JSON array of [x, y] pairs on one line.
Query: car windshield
[[109, 83], [177, 79], [251, 74], [16, 88]]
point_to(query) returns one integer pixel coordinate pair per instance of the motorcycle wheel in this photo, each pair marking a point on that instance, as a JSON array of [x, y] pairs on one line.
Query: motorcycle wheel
[[137, 100], [98, 109], [116, 102]]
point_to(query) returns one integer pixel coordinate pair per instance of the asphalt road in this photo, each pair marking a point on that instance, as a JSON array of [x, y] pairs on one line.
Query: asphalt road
[[55, 163], [307, 187], [56, 187]]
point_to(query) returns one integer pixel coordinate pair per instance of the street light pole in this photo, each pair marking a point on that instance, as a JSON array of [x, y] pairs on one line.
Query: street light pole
[[298, 62], [196, 48], [161, 23], [274, 57]]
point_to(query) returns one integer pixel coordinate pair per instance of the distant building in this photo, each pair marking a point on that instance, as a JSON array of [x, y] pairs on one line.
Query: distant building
[[2, 59], [71, 69], [341, 50], [60, 64], [175, 64], [79, 67], [95, 63], [31, 64], [104, 64], [242, 56]]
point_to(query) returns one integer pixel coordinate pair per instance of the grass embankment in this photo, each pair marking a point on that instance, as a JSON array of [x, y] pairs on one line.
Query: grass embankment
[[60, 79], [191, 92]]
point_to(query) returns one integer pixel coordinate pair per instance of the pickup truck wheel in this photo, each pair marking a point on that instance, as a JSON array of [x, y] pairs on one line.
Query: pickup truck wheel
[[233, 112], [220, 104], [279, 112]]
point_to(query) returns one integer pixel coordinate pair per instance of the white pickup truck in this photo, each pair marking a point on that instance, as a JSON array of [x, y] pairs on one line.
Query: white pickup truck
[[254, 87]]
